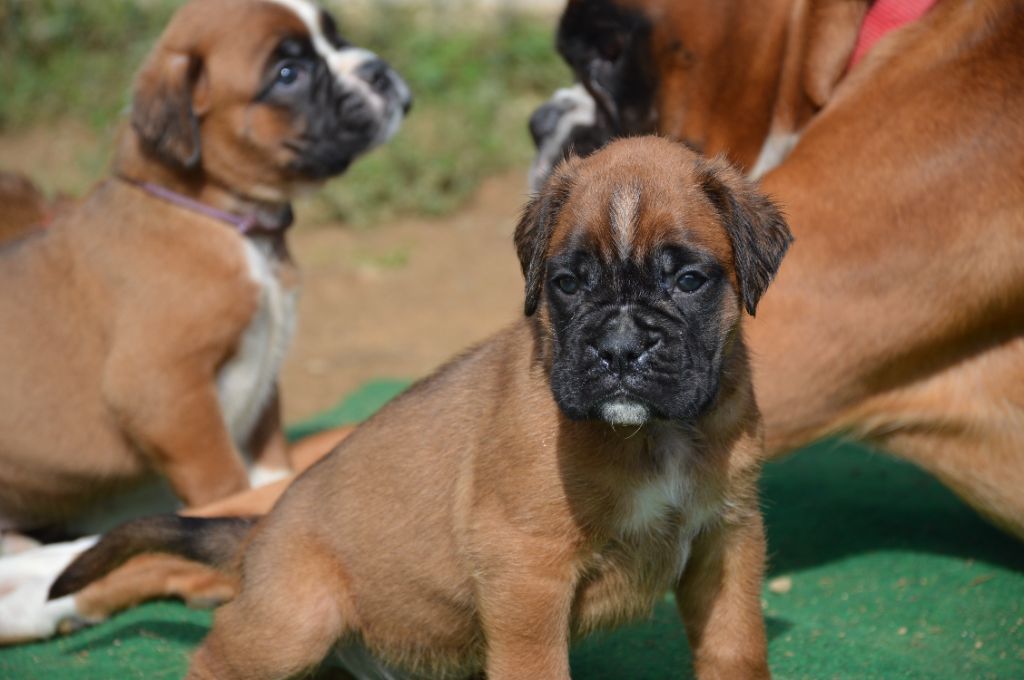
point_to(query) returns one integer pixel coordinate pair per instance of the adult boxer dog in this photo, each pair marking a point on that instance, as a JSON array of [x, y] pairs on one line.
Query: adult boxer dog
[[556, 479], [899, 316], [144, 328]]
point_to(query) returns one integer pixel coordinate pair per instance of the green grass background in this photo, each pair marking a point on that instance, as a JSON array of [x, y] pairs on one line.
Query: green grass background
[[892, 577], [475, 78]]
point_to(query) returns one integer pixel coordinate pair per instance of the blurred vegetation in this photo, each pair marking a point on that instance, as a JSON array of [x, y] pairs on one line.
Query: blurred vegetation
[[475, 79]]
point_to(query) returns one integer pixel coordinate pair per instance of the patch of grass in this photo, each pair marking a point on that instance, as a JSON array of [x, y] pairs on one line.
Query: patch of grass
[[475, 82], [72, 57]]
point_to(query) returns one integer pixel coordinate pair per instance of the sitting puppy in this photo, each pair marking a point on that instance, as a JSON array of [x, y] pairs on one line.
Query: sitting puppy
[[556, 479], [144, 329]]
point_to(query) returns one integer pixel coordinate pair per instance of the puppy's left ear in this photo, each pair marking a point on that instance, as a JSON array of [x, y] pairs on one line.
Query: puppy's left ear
[[164, 114], [533, 233], [757, 230]]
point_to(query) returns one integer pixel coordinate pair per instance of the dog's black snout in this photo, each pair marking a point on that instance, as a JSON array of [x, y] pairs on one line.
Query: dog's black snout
[[379, 75], [624, 344], [544, 121]]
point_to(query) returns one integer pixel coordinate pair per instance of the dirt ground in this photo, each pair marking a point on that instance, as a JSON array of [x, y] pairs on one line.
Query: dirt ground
[[399, 299]]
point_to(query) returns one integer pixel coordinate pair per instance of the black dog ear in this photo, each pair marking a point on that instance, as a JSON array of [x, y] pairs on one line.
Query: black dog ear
[[162, 109], [533, 233], [757, 230]]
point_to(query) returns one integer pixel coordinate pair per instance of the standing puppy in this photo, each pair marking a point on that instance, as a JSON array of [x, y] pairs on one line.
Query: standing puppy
[[556, 479], [143, 330]]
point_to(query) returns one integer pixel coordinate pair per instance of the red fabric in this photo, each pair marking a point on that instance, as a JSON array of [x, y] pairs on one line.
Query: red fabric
[[885, 16]]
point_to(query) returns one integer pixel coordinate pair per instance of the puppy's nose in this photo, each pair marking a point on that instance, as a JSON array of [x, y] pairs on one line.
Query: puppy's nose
[[544, 121], [379, 75], [623, 345]]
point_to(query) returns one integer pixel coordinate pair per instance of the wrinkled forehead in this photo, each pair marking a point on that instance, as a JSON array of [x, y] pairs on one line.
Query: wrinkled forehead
[[630, 211], [319, 27]]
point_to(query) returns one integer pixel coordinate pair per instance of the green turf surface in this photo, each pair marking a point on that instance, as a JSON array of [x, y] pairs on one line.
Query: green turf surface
[[891, 577]]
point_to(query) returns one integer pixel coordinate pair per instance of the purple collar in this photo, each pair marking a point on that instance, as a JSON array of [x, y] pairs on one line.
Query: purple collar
[[256, 222]]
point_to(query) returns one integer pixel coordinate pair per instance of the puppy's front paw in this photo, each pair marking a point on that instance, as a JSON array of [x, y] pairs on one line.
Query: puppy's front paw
[[25, 579]]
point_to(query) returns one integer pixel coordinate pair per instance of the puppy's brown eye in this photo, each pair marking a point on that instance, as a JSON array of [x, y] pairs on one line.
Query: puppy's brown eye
[[567, 284], [690, 281]]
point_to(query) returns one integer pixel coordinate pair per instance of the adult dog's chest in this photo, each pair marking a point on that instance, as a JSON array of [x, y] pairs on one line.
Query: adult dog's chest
[[648, 543], [245, 382]]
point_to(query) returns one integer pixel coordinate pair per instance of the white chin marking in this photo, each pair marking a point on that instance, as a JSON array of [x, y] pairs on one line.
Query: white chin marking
[[624, 412]]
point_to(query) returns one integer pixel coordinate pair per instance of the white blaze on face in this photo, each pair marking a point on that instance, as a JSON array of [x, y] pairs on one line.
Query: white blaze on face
[[625, 211], [345, 63]]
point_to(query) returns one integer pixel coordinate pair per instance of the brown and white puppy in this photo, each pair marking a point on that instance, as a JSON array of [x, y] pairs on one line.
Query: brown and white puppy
[[900, 177], [144, 336], [556, 479], [144, 328]]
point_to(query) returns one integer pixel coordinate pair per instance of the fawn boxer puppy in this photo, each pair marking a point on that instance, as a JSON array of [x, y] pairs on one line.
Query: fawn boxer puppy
[[143, 330], [555, 479]]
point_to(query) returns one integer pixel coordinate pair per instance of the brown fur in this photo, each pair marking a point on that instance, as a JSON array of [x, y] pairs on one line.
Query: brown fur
[[470, 525], [23, 207]]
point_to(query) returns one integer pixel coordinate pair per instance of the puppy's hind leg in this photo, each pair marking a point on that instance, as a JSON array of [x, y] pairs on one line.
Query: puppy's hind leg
[[286, 619]]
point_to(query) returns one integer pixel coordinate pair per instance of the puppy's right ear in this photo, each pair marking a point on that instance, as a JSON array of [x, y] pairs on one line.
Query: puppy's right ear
[[756, 227], [533, 233], [162, 108]]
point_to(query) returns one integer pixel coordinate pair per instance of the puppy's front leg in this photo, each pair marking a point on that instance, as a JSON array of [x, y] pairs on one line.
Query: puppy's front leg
[[719, 598], [525, 603], [170, 409]]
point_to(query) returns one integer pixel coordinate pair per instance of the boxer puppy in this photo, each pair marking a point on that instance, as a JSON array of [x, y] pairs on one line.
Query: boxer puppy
[[556, 479], [146, 326]]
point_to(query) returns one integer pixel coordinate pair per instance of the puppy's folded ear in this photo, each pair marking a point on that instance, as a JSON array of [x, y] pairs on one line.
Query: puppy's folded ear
[[756, 228], [162, 108], [533, 233]]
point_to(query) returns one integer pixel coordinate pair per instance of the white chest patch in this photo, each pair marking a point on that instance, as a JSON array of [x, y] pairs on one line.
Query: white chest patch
[[775, 149], [669, 493], [245, 382]]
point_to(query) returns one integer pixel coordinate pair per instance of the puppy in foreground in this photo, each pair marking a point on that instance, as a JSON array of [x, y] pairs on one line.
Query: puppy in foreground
[[556, 479]]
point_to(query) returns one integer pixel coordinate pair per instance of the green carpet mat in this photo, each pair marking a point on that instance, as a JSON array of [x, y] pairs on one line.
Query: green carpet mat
[[878, 572]]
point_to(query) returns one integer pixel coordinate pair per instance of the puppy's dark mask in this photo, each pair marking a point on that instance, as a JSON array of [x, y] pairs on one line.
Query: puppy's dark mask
[[637, 263]]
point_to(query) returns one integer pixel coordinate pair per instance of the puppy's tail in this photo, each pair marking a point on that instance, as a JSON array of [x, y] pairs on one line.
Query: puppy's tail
[[214, 541]]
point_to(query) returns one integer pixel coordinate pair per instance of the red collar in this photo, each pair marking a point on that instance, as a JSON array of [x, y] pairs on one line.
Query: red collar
[[885, 16]]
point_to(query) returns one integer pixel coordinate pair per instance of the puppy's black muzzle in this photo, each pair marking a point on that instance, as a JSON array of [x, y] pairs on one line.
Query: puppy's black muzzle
[[386, 82], [624, 346]]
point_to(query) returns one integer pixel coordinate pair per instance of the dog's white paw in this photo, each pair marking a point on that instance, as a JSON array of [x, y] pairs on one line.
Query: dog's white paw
[[25, 579]]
